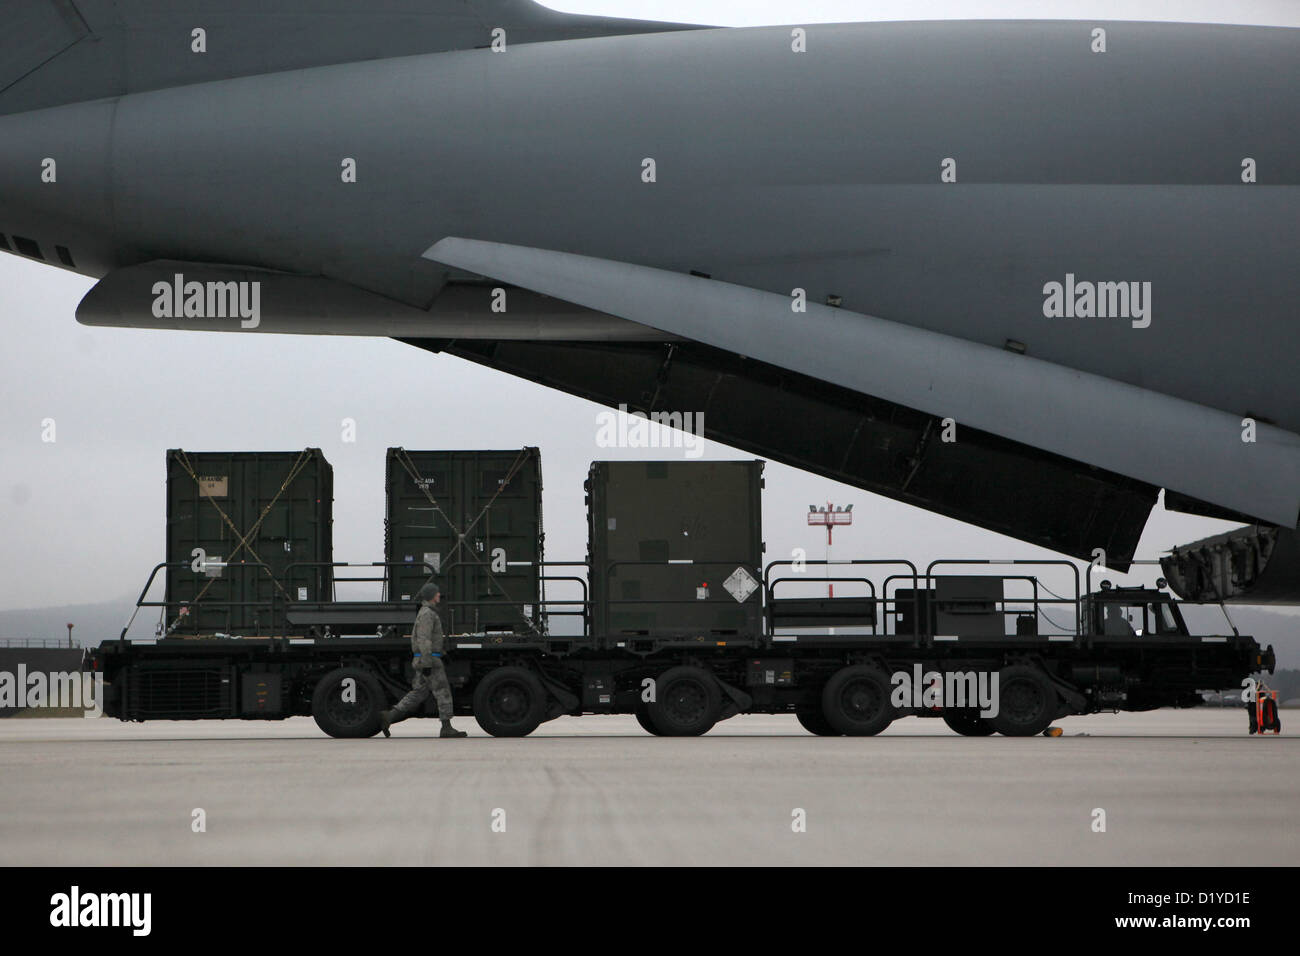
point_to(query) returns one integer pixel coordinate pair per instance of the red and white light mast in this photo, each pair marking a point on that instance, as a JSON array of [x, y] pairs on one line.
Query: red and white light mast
[[830, 516]]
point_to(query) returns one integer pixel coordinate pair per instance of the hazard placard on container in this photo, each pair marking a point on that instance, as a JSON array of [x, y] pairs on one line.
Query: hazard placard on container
[[740, 584]]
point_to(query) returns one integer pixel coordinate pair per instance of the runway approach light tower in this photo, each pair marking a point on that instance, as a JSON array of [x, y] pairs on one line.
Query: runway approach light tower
[[830, 516]]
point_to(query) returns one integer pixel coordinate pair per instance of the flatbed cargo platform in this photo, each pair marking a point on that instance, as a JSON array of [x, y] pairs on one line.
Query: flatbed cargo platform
[[836, 663]]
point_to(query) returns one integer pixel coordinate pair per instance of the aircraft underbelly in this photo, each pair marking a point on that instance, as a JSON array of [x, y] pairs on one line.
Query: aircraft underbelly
[[1117, 214], [826, 180]]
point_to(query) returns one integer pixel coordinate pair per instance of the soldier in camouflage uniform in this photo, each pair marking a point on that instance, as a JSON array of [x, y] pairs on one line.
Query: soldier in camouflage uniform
[[427, 645]]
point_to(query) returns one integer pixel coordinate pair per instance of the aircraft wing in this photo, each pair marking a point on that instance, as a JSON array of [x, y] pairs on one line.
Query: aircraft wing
[[54, 52], [1185, 447]]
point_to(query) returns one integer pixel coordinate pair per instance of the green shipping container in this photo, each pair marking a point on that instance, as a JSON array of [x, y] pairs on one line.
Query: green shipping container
[[251, 516], [675, 548], [475, 517]]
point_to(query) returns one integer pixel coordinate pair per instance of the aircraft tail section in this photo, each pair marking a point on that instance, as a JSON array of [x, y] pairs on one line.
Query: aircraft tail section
[[54, 52]]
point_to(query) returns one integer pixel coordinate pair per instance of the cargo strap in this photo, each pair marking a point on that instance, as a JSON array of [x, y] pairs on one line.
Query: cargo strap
[[461, 535], [420, 483], [297, 468]]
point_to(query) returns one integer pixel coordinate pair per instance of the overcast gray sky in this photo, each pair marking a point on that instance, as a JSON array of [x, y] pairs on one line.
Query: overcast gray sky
[[83, 516]]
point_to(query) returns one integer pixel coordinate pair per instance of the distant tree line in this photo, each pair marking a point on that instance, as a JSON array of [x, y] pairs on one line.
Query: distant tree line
[[1286, 683]]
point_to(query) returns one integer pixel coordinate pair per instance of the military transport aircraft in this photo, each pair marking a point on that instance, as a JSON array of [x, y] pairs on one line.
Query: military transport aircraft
[[1022, 273]]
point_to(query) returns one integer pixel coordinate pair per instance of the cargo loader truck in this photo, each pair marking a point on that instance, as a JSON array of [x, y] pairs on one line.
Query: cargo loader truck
[[673, 617]]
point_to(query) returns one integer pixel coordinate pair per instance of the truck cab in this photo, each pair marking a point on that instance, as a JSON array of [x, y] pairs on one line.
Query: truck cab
[[1131, 612]]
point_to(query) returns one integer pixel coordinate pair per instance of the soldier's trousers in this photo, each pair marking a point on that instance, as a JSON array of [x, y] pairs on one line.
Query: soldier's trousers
[[431, 681]]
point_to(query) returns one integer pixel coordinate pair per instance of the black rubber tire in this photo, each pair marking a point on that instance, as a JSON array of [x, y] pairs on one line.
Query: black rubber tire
[[968, 723], [340, 719], [643, 718], [855, 701], [509, 702], [1027, 701], [687, 702], [815, 722]]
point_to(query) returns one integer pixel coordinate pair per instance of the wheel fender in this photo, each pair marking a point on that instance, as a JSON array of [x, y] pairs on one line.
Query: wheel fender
[[1072, 701], [395, 689], [562, 701], [736, 702]]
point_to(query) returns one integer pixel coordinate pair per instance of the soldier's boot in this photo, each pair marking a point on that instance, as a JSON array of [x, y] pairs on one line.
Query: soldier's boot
[[389, 717], [449, 731]]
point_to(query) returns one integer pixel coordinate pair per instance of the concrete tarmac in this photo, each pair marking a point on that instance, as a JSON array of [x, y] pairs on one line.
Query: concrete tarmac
[[1177, 788]]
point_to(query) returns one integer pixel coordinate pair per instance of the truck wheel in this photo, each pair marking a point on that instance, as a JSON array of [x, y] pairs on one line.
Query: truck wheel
[[356, 716], [509, 702], [1027, 702], [815, 722], [968, 723], [686, 704], [643, 718], [855, 701]]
